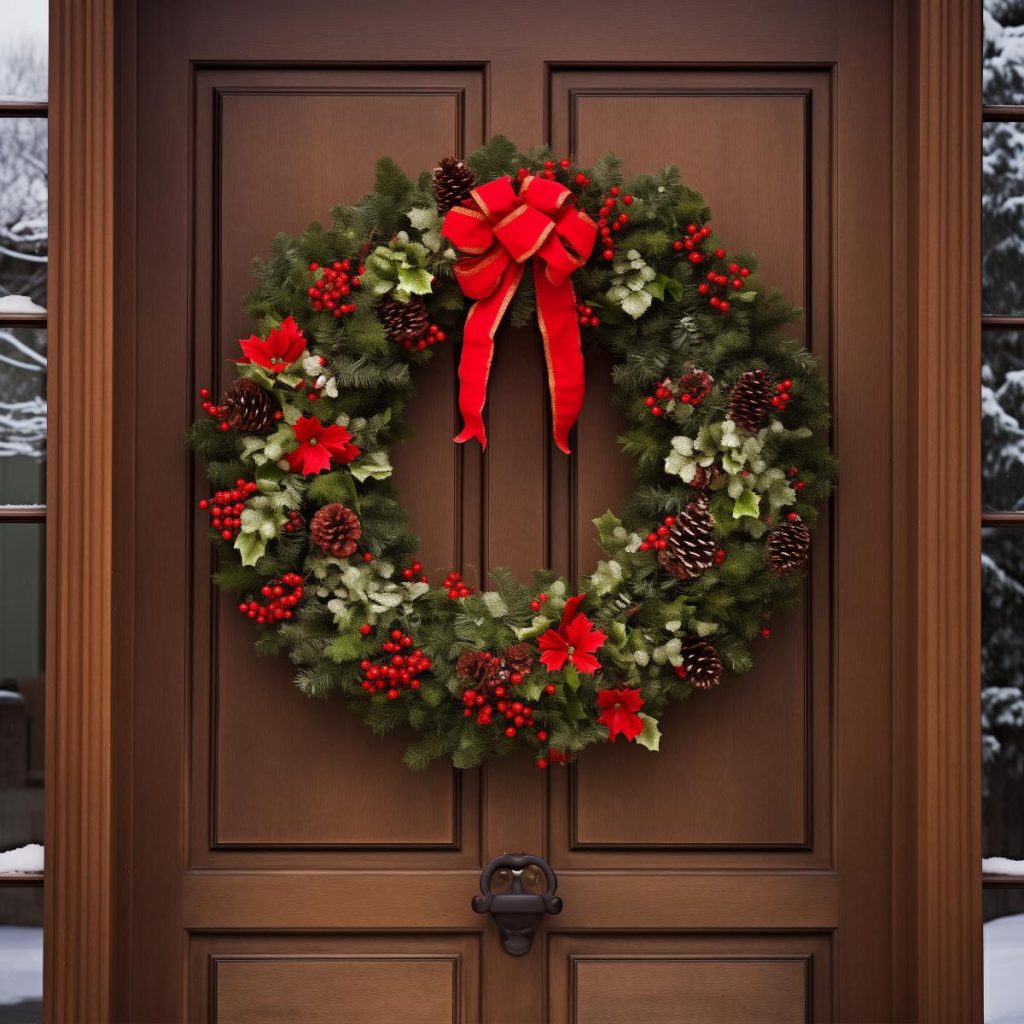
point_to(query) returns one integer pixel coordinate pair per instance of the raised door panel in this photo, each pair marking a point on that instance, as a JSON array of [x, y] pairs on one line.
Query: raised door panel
[[743, 771], [372, 979], [276, 775], [693, 979]]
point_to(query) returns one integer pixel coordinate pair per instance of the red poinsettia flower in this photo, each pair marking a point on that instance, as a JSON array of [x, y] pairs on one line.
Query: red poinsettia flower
[[281, 347], [619, 712], [574, 641], [319, 445]]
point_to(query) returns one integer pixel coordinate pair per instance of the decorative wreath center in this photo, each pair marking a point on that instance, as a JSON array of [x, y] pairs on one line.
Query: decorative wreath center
[[726, 418]]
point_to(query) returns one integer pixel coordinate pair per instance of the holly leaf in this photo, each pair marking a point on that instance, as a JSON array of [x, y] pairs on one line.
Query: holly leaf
[[651, 736], [251, 546], [664, 285], [637, 303], [572, 677], [747, 504], [413, 280], [494, 604], [375, 465]]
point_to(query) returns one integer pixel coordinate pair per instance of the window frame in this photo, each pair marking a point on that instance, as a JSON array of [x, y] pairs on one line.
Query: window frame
[[10, 514]]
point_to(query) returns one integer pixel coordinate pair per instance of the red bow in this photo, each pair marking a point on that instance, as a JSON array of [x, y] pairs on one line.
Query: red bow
[[499, 234]]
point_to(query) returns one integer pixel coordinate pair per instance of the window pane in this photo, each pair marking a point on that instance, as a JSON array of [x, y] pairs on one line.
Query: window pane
[[1002, 219], [21, 954], [23, 212], [21, 683], [1002, 420], [22, 416], [23, 49], [1002, 695], [1003, 52]]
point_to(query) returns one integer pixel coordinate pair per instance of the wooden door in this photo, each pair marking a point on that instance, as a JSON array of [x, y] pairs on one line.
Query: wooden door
[[278, 862]]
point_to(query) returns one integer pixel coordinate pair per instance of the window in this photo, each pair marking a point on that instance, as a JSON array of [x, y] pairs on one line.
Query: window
[[23, 280], [1002, 378]]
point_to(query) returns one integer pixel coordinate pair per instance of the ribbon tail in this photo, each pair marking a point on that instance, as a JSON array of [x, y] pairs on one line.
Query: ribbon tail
[[478, 352], [560, 331]]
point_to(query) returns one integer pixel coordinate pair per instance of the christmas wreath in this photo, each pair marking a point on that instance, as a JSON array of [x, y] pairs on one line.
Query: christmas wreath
[[726, 420]]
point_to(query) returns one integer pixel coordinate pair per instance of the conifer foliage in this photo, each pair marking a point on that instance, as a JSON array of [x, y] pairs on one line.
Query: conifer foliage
[[727, 423]]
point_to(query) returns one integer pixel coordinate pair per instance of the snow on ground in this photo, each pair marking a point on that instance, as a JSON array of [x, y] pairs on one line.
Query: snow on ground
[[21, 964], [1002, 866], [19, 304], [1004, 979], [24, 859]]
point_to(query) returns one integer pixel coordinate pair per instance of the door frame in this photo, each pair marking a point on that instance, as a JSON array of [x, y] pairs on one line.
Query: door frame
[[936, 857]]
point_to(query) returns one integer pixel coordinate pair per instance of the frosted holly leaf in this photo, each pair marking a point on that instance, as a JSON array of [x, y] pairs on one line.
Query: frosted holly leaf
[[375, 465], [651, 735], [427, 221], [605, 579], [495, 606]]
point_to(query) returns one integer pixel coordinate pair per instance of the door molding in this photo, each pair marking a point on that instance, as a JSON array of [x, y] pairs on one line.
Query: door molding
[[938, 755], [936, 857], [79, 880]]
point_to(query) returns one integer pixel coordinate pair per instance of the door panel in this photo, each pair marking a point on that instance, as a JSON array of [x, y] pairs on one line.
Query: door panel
[[378, 979], [282, 862], [689, 980]]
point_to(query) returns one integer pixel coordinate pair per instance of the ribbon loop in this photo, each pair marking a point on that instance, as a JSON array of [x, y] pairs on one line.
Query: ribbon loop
[[497, 235]]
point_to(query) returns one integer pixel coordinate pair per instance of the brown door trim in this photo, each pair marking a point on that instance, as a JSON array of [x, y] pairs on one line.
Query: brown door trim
[[938, 863], [936, 740], [79, 838]]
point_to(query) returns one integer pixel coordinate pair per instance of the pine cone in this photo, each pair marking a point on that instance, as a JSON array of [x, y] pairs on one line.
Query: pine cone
[[451, 183], [335, 530], [249, 407], [404, 321], [519, 658], [750, 399], [691, 542], [703, 664], [788, 546], [478, 667]]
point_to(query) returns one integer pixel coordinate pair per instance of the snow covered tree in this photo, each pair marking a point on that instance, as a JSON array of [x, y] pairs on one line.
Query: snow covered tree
[[1003, 434], [23, 255]]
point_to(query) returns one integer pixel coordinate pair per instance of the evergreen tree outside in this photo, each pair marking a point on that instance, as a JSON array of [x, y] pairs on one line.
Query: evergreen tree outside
[[1003, 435]]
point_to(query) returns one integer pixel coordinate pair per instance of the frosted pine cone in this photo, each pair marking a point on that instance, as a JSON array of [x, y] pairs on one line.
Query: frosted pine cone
[[690, 542], [788, 546], [248, 407], [451, 183], [750, 399], [404, 321], [702, 663], [335, 530]]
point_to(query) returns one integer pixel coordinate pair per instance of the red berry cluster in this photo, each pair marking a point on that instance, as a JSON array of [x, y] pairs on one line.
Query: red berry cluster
[[313, 388], [537, 602], [609, 222], [551, 169], [456, 587], [331, 287], [434, 336], [719, 279], [399, 668], [226, 507], [691, 389], [656, 540], [783, 394], [692, 243], [586, 315], [495, 700], [294, 523], [794, 479], [410, 572], [282, 596]]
